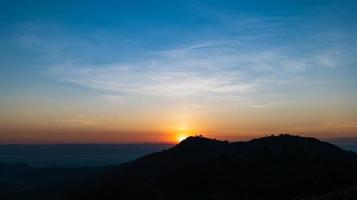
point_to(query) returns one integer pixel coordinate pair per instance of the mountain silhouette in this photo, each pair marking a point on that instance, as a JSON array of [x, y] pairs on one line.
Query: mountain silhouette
[[273, 167], [349, 193]]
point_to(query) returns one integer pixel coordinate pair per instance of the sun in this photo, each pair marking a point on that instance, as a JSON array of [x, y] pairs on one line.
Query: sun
[[181, 137]]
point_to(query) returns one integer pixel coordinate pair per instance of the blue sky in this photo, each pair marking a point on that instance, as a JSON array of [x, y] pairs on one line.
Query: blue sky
[[107, 66]]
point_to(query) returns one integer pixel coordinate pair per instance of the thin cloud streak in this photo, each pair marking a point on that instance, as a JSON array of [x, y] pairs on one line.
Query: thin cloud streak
[[205, 69]]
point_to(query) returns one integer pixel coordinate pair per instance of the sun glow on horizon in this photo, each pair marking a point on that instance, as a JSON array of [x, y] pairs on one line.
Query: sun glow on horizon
[[180, 132], [180, 138]]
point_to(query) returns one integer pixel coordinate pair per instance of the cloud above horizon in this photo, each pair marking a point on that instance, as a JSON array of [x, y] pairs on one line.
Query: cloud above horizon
[[251, 60], [214, 69], [248, 55]]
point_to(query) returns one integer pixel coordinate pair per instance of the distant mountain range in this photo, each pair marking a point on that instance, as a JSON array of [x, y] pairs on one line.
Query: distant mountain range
[[283, 167], [75, 155]]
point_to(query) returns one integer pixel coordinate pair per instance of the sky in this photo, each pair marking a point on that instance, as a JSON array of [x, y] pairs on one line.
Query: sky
[[155, 71]]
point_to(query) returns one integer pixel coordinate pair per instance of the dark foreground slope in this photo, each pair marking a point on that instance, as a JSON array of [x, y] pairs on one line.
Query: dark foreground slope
[[21, 182], [281, 167], [349, 193]]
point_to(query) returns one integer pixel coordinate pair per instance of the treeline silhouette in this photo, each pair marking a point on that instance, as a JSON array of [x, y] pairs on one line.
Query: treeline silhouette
[[283, 167]]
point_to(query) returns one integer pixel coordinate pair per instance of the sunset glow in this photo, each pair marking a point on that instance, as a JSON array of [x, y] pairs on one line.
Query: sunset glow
[[178, 99], [126, 72]]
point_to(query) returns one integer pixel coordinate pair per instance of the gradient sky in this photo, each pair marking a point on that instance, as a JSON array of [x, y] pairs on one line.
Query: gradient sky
[[151, 71]]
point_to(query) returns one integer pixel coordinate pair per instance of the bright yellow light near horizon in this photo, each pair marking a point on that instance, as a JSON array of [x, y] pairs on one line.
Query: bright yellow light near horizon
[[181, 137], [180, 132]]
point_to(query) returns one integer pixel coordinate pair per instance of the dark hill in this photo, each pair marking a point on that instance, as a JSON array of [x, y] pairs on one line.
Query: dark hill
[[276, 167], [349, 193]]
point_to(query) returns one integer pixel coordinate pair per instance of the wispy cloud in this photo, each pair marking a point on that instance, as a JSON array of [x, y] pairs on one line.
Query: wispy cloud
[[76, 122], [193, 70], [204, 69], [246, 65]]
